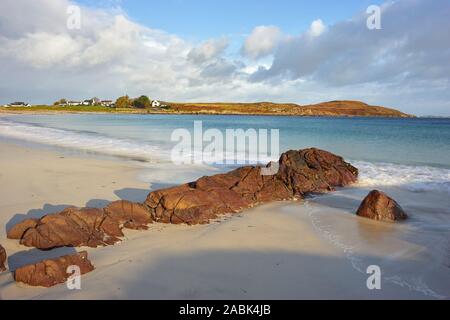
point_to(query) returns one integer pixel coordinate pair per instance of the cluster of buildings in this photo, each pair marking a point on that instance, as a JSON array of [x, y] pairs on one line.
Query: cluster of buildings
[[89, 102], [63, 103], [103, 103], [18, 104]]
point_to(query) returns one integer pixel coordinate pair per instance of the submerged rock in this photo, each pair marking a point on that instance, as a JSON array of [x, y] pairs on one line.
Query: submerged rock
[[49, 273], [2, 258], [299, 173], [379, 206]]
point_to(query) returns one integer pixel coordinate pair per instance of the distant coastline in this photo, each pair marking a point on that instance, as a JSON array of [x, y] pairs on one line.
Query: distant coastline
[[344, 108]]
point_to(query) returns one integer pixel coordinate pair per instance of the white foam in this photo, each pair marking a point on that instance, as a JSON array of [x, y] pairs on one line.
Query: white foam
[[411, 178], [83, 141], [103, 144]]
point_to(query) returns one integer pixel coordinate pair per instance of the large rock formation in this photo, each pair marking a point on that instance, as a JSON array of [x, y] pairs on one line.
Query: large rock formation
[[82, 227], [379, 206], [48, 273], [2, 259], [300, 172]]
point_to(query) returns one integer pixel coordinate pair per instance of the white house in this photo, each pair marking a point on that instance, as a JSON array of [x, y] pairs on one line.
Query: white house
[[19, 104], [91, 102], [156, 104], [107, 103], [74, 103]]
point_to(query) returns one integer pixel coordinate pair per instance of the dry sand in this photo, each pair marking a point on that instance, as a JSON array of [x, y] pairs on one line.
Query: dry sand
[[294, 250]]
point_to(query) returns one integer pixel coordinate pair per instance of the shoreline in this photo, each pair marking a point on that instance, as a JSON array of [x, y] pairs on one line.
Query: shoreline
[[43, 112], [51, 112]]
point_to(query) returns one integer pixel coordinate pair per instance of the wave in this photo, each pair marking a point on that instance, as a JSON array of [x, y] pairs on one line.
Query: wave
[[80, 140], [411, 178], [103, 144]]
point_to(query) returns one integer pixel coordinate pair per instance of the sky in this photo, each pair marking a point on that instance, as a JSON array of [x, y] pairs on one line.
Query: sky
[[228, 50], [204, 19]]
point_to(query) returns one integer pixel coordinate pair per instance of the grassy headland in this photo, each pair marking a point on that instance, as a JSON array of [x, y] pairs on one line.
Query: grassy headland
[[325, 109]]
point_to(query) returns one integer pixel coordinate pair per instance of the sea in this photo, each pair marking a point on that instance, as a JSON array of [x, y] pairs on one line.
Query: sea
[[408, 153]]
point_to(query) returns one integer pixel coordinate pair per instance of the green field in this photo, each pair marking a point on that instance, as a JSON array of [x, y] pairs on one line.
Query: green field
[[58, 108]]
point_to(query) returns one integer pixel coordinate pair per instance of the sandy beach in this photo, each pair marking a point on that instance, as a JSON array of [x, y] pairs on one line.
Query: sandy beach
[[309, 249]]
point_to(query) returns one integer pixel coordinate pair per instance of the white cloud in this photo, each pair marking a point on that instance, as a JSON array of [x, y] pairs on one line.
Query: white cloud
[[42, 49], [208, 50], [110, 55], [220, 69], [404, 65], [317, 28], [262, 41], [412, 47]]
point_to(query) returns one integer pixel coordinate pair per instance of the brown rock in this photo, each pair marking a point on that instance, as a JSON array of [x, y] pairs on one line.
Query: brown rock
[[379, 206], [300, 172], [48, 273], [2, 259], [128, 215], [17, 231], [90, 227], [313, 170], [72, 227]]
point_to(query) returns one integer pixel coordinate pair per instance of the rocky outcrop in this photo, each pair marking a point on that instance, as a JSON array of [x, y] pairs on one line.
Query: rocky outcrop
[[17, 231], [77, 227], [2, 259], [379, 206], [49, 273], [299, 173]]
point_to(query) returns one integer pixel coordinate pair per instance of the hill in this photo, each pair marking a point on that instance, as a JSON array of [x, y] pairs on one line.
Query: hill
[[331, 109]]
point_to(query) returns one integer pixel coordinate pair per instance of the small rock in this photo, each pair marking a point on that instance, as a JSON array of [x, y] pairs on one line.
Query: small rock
[[379, 206], [49, 273]]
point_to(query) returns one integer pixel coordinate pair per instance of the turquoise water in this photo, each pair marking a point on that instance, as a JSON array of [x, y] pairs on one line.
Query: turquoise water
[[392, 151]]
